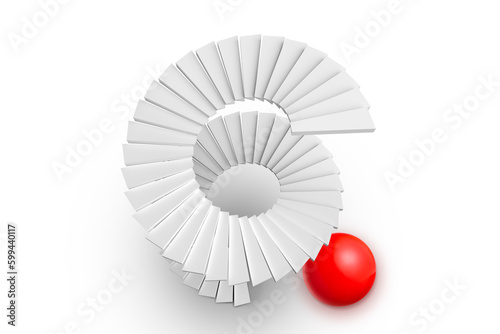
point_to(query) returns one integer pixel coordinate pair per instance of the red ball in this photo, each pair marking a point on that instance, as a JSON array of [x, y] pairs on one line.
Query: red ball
[[343, 272]]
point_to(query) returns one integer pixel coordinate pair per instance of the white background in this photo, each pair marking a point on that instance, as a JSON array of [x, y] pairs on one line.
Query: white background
[[441, 224]]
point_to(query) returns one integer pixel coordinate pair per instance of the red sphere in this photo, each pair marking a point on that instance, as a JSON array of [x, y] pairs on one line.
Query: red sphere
[[343, 272]]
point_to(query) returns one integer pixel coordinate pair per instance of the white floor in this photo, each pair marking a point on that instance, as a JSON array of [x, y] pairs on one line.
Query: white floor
[[438, 228]]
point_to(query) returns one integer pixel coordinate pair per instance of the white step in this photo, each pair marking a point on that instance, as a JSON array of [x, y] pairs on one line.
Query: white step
[[218, 130], [179, 84], [249, 49], [176, 268], [309, 244], [197, 259], [331, 199], [204, 172], [302, 147], [237, 268], [209, 57], [162, 233], [269, 53], [151, 114], [154, 213], [143, 195], [259, 271], [165, 98], [352, 99], [264, 126], [277, 263], [288, 142], [194, 280], [204, 183], [230, 53], [218, 260], [241, 294], [279, 130], [293, 254], [190, 66], [289, 55], [322, 183], [326, 70], [315, 163], [202, 156], [142, 174], [180, 246], [317, 229], [337, 85], [233, 125], [208, 142], [224, 293], [209, 288], [324, 214], [141, 133], [307, 61], [136, 154], [248, 129], [351, 121]]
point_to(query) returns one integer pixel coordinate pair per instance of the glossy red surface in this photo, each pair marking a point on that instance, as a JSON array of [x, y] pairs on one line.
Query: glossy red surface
[[343, 272]]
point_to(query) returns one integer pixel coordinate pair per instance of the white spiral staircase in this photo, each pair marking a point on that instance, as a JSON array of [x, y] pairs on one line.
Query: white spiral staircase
[[178, 145]]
